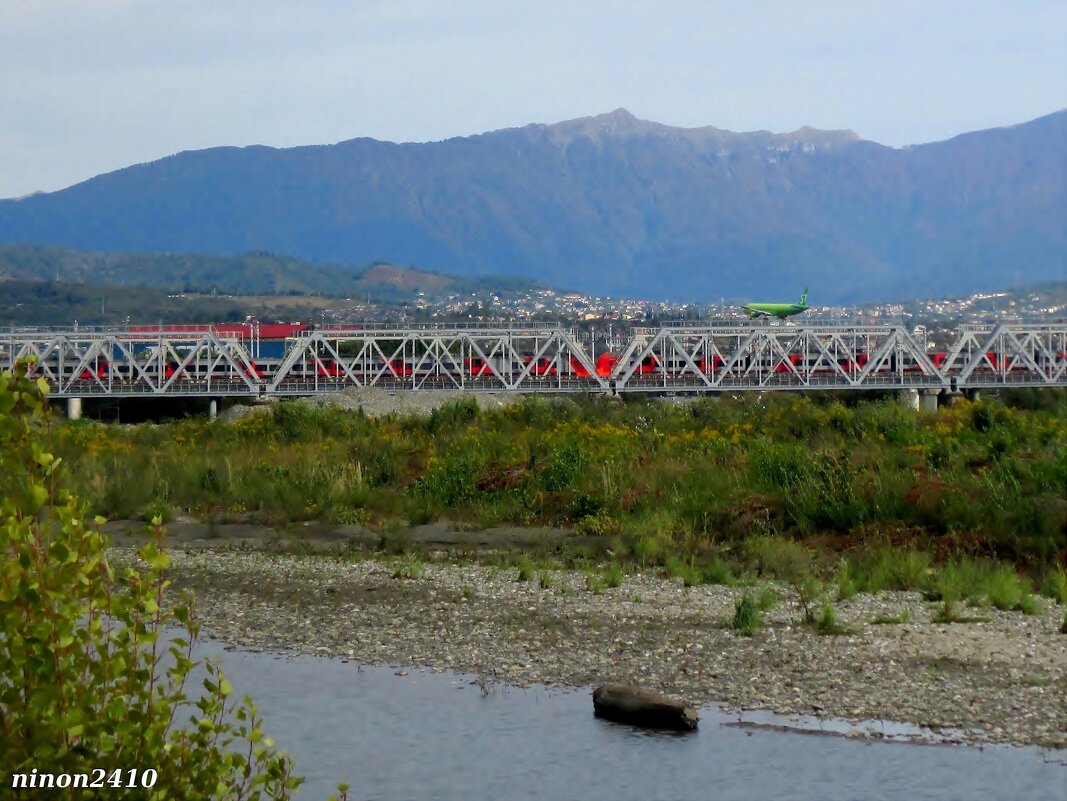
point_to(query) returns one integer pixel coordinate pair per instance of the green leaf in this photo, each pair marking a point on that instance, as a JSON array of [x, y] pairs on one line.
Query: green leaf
[[37, 496], [59, 552]]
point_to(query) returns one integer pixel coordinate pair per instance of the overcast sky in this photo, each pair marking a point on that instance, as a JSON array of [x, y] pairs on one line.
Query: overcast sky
[[88, 86]]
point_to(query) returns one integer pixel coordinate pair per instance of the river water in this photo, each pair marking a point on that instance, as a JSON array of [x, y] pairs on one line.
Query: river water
[[425, 735]]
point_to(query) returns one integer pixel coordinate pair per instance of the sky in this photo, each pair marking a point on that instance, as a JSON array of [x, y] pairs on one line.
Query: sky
[[89, 86]]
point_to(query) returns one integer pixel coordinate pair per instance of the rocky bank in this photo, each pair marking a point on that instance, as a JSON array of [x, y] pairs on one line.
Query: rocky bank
[[1003, 679]]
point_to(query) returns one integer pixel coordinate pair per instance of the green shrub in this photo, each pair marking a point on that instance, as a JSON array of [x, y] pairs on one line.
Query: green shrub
[[948, 612], [680, 568], [614, 576], [718, 572], [1054, 585], [846, 586], [159, 510], [526, 569], [452, 415], [407, 570], [598, 525], [892, 569], [809, 590], [767, 598], [649, 550], [956, 580], [545, 580], [452, 480], [746, 620], [775, 557], [93, 660], [1030, 604], [826, 622], [566, 463], [594, 583], [1006, 588]]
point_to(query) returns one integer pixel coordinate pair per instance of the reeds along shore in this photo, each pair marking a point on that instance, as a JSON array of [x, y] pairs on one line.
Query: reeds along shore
[[965, 503]]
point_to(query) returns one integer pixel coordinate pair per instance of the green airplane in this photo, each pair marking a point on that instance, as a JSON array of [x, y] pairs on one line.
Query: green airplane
[[779, 310]]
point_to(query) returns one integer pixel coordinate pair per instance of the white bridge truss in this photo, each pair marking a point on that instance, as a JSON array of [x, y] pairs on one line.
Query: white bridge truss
[[691, 358], [171, 363], [522, 359]]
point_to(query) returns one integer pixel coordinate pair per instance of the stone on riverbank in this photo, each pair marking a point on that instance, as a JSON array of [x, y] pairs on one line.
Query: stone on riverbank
[[642, 707]]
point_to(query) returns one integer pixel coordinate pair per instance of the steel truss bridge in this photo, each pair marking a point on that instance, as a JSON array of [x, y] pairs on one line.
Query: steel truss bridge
[[683, 358]]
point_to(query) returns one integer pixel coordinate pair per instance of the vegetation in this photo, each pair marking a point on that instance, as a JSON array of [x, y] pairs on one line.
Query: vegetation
[[526, 569], [717, 491], [252, 273], [747, 619], [826, 622], [904, 616], [98, 288], [93, 662], [60, 304]]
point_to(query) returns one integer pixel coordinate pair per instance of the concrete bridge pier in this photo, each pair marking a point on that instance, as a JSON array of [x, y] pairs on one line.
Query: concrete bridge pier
[[909, 398], [74, 408], [213, 409], [928, 399], [973, 395]]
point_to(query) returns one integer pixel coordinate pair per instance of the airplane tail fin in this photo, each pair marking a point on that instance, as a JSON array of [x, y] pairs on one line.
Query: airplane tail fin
[[804, 297]]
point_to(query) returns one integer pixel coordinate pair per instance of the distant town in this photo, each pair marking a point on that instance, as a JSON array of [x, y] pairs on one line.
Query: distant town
[[933, 319]]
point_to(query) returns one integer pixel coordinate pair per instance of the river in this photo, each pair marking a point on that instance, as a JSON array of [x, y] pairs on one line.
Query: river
[[423, 735]]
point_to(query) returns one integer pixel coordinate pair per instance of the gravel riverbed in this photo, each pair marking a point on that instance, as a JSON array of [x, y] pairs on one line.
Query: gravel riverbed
[[1002, 680]]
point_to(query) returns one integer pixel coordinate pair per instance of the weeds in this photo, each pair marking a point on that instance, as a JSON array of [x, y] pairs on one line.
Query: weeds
[[545, 580], [809, 591], [904, 616], [1054, 585], [1030, 604], [767, 598], [594, 583], [827, 624], [679, 568], [846, 586], [613, 576], [1006, 588], [408, 570], [719, 572], [747, 619], [526, 569]]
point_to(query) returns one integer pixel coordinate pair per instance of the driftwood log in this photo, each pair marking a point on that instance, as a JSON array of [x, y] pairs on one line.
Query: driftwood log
[[641, 707]]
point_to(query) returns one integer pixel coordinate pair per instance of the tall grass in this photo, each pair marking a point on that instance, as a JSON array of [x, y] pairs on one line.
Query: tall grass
[[747, 619]]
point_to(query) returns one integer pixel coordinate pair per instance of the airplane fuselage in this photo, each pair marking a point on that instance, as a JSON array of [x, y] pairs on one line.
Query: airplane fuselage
[[779, 310]]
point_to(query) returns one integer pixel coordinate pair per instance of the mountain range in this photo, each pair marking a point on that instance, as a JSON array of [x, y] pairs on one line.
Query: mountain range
[[609, 204]]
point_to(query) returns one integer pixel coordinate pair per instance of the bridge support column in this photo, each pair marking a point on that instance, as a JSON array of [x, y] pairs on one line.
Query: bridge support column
[[212, 409], [928, 399], [909, 398], [74, 408], [973, 395]]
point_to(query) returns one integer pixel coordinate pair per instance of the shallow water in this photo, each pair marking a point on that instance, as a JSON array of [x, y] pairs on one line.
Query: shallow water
[[438, 736]]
